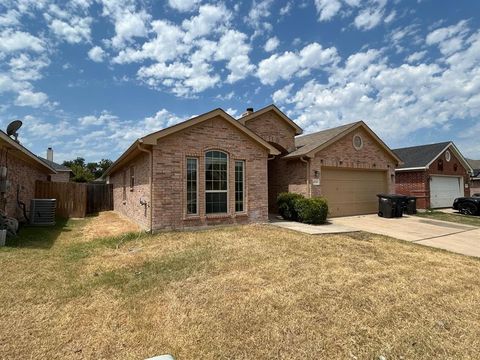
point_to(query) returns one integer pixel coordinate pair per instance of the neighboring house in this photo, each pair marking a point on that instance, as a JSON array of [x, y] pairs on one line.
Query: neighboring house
[[475, 179], [214, 169], [63, 174], [436, 174], [21, 169]]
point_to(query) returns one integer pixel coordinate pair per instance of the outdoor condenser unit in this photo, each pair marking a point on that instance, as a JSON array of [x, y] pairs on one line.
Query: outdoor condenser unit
[[42, 211]]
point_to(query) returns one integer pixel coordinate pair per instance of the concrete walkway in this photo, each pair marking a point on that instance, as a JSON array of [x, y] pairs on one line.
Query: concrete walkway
[[328, 228], [462, 239]]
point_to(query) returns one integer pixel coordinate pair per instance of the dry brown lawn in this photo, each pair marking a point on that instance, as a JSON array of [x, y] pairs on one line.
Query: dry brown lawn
[[251, 292]]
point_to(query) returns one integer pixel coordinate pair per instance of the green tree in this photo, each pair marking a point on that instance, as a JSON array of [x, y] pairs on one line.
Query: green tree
[[86, 172]]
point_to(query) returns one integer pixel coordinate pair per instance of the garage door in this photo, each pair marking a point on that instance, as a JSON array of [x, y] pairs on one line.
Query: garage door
[[444, 189], [352, 192]]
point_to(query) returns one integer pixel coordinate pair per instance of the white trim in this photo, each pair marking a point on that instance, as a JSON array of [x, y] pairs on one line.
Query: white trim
[[243, 186], [216, 191], [411, 168], [458, 154], [359, 147], [197, 212]]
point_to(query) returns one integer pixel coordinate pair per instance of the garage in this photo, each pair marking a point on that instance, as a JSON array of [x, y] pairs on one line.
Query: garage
[[444, 189], [352, 192]]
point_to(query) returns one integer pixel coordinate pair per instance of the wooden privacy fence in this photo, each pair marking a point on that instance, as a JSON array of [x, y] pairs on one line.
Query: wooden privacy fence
[[99, 197], [76, 199]]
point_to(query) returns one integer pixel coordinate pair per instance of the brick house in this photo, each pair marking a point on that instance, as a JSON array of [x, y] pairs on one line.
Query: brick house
[[214, 169], [19, 169], [63, 173], [475, 178], [435, 174]]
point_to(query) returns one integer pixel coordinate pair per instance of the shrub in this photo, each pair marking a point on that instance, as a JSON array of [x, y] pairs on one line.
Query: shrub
[[312, 211], [286, 205]]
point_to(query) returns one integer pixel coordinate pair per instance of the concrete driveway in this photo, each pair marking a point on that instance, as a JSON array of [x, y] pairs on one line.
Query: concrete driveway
[[462, 239]]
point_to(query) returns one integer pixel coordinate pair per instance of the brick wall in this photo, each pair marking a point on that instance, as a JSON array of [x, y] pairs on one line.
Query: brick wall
[[130, 206], [342, 154], [417, 183], [414, 183], [272, 128], [474, 187], [22, 176], [169, 178], [285, 175]]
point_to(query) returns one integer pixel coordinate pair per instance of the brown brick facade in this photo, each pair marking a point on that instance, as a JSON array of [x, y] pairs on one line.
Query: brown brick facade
[[417, 183], [169, 175], [60, 176], [270, 127], [128, 202], [342, 154], [21, 176]]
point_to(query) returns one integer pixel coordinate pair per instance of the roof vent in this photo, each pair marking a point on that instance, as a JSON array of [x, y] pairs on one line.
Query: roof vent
[[248, 112]]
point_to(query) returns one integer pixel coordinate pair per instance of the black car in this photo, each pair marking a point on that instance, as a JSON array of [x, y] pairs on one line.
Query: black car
[[468, 205]]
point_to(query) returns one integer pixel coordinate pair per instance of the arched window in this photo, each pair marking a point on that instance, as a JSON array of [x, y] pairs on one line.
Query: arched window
[[216, 182]]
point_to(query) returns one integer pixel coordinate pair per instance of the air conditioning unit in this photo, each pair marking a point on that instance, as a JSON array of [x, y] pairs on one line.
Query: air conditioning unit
[[42, 211]]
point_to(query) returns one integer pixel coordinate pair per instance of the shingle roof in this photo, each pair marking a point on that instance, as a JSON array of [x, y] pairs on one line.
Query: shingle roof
[[307, 143], [419, 156], [54, 165], [475, 164]]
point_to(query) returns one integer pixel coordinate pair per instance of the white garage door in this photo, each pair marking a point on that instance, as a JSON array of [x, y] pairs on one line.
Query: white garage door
[[444, 189]]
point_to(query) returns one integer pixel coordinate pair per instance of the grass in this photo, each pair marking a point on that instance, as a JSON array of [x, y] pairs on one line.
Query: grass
[[251, 292], [455, 217]]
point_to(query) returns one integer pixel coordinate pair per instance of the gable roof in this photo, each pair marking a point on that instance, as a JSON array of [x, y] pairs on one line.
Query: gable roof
[[151, 139], [475, 164], [422, 156], [310, 144], [276, 110], [25, 154], [54, 165]]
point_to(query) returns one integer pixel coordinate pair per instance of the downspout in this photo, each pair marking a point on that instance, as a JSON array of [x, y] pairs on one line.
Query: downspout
[[150, 163], [309, 190]]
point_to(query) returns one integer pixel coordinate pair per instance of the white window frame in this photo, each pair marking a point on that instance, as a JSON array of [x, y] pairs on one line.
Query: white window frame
[[216, 191], [186, 185], [243, 185]]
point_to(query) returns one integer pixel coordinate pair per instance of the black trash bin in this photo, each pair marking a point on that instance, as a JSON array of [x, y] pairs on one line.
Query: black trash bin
[[391, 205], [411, 205]]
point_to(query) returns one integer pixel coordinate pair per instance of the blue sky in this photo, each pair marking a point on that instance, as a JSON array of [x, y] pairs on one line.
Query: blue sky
[[88, 77]]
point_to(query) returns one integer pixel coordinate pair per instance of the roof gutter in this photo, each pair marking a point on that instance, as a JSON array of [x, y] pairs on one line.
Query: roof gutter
[[412, 168]]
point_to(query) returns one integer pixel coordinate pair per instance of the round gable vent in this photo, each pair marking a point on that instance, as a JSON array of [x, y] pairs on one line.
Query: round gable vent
[[448, 156], [357, 142]]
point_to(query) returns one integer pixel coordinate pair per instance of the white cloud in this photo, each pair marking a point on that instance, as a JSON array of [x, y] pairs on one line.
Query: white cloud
[[449, 39], [129, 23], [368, 18], [233, 47], [12, 41], [74, 31], [96, 54], [282, 94], [259, 11], [271, 44], [29, 98], [396, 100], [11, 17], [388, 19], [102, 119], [327, 9], [209, 18], [25, 68], [285, 10], [284, 66], [416, 56], [183, 5]]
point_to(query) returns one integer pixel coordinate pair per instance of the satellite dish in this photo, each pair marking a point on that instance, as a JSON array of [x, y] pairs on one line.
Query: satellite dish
[[12, 129]]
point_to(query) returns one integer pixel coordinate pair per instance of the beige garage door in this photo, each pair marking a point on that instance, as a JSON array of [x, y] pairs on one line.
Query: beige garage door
[[352, 192]]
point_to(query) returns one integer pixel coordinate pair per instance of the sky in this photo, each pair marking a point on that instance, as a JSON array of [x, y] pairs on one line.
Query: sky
[[88, 77]]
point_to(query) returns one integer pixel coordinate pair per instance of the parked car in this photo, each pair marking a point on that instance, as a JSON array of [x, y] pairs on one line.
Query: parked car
[[467, 205], [476, 195]]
